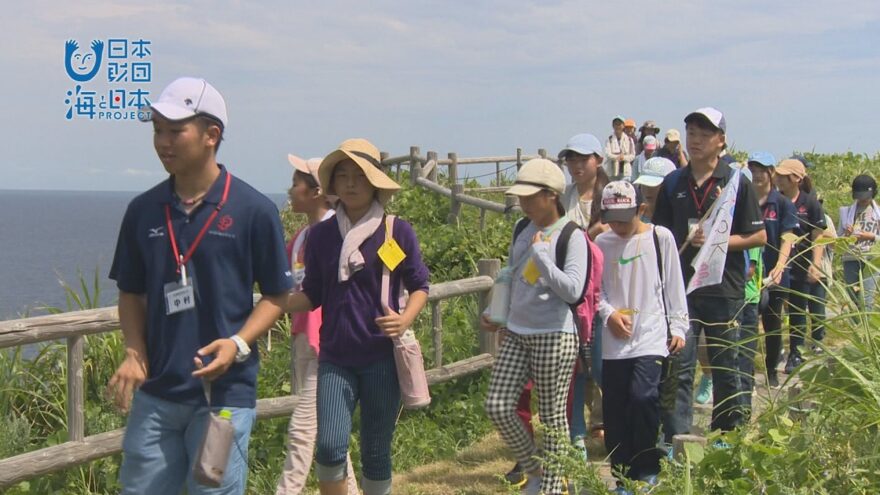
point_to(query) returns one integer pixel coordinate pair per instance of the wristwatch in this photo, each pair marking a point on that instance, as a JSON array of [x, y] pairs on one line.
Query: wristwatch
[[244, 350]]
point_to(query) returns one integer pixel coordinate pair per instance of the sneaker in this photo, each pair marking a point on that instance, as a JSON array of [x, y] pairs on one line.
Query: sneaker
[[580, 446], [650, 479], [532, 486], [816, 349], [772, 379], [621, 491], [516, 476], [792, 363], [704, 392]]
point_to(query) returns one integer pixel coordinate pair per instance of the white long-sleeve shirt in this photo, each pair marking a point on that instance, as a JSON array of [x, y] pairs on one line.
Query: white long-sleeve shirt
[[630, 280]]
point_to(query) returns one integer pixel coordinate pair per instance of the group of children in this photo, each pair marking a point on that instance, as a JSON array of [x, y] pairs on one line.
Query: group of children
[[597, 312]]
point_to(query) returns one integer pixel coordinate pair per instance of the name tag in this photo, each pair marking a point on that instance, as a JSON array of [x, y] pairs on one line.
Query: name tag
[[531, 273], [178, 298], [391, 254]]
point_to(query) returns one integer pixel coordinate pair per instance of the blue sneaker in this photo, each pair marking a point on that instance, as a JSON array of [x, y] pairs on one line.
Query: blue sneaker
[[704, 392]]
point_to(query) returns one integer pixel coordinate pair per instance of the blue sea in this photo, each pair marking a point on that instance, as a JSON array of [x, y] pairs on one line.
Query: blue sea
[[52, 236]]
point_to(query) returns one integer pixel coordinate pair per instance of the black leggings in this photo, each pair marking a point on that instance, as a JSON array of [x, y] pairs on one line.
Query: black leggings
[[771, 317]]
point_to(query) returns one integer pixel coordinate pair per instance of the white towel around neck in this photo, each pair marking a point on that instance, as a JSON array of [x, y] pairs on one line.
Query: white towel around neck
[[350, 257]]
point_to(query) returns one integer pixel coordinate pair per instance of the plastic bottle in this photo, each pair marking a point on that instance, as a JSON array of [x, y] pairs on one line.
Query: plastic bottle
[[213, 456], [499, 305]]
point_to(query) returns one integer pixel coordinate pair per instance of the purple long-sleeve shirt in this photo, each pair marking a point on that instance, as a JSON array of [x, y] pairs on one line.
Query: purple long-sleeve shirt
[[349, 334]]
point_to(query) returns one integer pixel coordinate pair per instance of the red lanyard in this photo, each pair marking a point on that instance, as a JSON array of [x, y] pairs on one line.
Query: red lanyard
[[182, 260], [699, 203]]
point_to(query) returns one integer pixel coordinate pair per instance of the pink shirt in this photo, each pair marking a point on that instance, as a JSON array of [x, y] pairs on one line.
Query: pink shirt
[[308, 322]]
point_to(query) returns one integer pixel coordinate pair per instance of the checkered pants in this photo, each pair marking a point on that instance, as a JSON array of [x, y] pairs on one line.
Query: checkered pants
[[548, 360]]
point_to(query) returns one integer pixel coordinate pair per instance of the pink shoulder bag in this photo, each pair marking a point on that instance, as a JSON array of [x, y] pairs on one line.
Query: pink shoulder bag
[[407, 352]]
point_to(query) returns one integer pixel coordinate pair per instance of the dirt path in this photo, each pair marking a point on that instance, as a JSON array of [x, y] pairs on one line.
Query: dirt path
[[477, 470]]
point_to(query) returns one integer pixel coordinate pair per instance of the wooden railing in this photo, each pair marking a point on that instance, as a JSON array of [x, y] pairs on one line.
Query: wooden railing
[[72, 327], [424, 173]]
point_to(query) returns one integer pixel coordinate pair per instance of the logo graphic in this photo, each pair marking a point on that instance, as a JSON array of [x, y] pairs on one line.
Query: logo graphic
[[626, 261], [224, 223], [770, 214], [127, 62], [82, 67], [156, 232]]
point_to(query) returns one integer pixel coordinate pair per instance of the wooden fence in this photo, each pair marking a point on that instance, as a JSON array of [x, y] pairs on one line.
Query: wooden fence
[[72, 327], [423, 172]]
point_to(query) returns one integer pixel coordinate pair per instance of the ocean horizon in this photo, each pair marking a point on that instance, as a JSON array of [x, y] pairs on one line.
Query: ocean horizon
[[49, 236]]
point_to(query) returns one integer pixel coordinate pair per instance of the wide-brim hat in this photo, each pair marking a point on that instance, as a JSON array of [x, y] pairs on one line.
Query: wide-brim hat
[[366, 156]]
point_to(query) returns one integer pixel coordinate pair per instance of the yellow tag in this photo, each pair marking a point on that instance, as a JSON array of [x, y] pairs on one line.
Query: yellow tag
[[391, 254], [530, 272], [626, 311]]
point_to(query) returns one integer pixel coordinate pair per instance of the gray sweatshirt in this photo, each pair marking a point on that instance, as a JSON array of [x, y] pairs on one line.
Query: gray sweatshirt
[[542, 307]]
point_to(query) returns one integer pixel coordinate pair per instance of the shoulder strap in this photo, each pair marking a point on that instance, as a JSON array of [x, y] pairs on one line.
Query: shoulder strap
[[521, 225], [386, 274], [562, 252], [662, 286]]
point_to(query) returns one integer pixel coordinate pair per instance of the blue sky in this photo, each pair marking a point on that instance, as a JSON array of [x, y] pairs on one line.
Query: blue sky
[[477, 78]]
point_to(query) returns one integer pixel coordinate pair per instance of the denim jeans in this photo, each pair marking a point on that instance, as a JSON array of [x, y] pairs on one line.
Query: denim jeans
[[748, 331], [805, 300], [718, 318], [340, 389], [162, 439], [588, 388], [861, 282]]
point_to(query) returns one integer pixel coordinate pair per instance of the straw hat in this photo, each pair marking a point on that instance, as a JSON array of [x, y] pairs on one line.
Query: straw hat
[[366, 156]]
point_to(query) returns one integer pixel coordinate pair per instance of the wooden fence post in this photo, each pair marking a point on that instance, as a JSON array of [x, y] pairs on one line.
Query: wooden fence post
[[383, 156], [75, 389], [455, 207], [497, 173], [542, 152], [415, 166], [437, 333], [488, 340], [432, 175], [453, 169], [518, 159]]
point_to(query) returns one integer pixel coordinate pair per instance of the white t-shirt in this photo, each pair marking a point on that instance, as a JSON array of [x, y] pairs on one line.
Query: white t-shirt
[[630, 281]]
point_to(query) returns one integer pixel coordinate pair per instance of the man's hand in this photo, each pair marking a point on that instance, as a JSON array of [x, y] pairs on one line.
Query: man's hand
[[620, 325], [776, 274], [813, 274], [223, 350], [393, 324], [130, 375], [487, 324], [675, 345], [699, 237]]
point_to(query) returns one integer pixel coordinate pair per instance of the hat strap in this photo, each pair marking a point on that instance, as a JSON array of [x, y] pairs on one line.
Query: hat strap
[[368, 158]]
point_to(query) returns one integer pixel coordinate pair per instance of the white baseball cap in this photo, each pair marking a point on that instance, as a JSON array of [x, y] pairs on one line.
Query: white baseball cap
[[187, 97], [650, 143], [711, 115], [535, 175], [620, 202], [654, 170]]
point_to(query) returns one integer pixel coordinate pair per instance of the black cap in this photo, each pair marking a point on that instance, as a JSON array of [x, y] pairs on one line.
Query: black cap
[[864, 187]]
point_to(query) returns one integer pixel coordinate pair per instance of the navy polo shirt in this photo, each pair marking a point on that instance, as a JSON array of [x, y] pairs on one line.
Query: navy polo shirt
[[810, 216], [680, 199], [244, 245], [779, 217]]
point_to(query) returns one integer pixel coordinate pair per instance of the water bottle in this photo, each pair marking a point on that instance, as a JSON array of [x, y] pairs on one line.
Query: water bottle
[[499, 305], [213, 455]]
